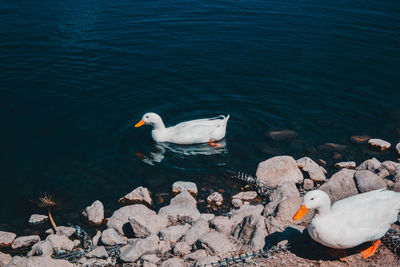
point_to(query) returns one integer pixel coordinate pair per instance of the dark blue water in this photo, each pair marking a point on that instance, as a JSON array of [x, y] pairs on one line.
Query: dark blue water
[[75, 75]]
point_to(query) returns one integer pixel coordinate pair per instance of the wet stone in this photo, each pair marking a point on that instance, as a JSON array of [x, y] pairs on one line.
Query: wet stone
[[37, 218], [379, 144], [179, 186]]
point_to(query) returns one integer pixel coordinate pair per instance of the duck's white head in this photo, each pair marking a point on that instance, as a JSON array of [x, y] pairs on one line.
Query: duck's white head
[[316, 199], [152, 119]]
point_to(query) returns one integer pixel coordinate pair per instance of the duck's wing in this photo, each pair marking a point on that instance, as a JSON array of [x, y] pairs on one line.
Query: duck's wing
[[208, 122]]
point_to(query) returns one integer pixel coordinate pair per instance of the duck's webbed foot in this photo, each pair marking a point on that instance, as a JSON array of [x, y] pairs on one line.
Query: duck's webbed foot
[[371, 250], [213, 144]]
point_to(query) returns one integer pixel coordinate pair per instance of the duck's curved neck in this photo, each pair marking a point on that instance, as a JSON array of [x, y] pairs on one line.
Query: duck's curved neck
[[324, 208], [159, 125]]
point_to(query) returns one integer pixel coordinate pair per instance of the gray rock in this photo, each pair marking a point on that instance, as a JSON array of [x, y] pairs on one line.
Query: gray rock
[[131, 253], [65, 230], [49, 231], [398, 148], [347, 165], [207, 261], [379, 144], [340, 185], [308, 184], [37, 218], [96, 238], [388, 182], [140, 195], [25, 241], [383, 174], [37, 261], [92, 262], [149, 264], [152, 258], [110, 237], [164, 246], [237, 203], [194, 256], [145, 225], [282, 135], [390, 166], [181, 248], [99, 252], [248, 195], [215, 199], [198, 229], [207, 216], [278, 170], [4, 258], [368, 181], [252, 232], [315, 172], [245, 210], [396, 175], [173, 233], [372, 165], [180, 186], [222, 224], [215, 243], [121, 216], [283, 215], [280, 193], [173, 262], [94, 213], [77, 242], [6, 238], [42, 248], [182, 208], [60, 242]]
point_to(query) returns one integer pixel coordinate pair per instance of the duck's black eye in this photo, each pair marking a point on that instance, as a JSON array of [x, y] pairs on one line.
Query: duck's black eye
[[312, 198]]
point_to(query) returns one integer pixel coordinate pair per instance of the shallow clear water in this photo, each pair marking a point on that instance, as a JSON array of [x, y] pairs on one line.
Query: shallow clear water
[[76, 75]]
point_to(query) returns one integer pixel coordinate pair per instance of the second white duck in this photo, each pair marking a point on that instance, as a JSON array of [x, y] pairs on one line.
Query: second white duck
[[208, 130]]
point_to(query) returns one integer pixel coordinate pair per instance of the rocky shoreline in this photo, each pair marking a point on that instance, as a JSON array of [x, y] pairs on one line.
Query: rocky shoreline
[[178, 234]]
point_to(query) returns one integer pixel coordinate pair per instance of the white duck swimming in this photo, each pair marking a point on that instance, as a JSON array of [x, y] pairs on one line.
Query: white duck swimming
[[351, 221], [188, 132]]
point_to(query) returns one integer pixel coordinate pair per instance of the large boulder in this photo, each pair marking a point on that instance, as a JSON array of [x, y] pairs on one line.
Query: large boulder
[[94, 213], [140, 195], [131, 253], [315, 172], [42, 261], [197, 230], [340, 185], [368, 181], [280, 193], [252, 232], [278, 170], [282, 135], [6, 238], [145, 225], [121, 216], [25, 241], [181, 208], [110, 237], [215, 244], [180, 186]]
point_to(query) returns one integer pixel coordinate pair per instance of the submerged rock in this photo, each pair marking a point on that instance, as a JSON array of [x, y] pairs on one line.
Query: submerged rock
[[180, 186], [368, 181], [315, 172], [278, 170], [25, 241], [37, 218], [282, 135], [215, 199], [379, 144], [360, 139], [140, 195], [94, 213], [6, 238], [340, 185]]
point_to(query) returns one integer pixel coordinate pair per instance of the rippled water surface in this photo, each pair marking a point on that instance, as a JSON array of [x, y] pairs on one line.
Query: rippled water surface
[[76, 75]]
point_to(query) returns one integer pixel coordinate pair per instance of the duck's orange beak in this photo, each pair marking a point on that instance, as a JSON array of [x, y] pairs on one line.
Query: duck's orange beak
[[300, 213], [140, 123]]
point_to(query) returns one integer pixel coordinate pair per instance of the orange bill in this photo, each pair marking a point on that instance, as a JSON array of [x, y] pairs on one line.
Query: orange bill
[[140, 123], [300, 213]]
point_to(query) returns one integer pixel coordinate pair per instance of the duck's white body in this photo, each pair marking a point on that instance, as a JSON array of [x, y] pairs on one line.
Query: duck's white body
[[188, 132], [353, 220]]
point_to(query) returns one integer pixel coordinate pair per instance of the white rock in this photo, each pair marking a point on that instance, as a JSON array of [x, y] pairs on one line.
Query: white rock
[[38, 261], [174, 233], [66, 230], [248, 195], [372, 165], [173, 262], [215, 199], [237, 203], [140, 195], [252, 231], [197, 230], [222, 224], [99, 252], [121, 216], [245, 210], [280, 193], [308, 184], [110, 237], [207, 216], [315, 171], [152, 258], [180, 186], [96, 238], [181, 248], [59, 242], [145, 225], [216, 243], [6, 238], [194, 256], [131, 253], [398, 148], [390, 166], [164, 246], [37, 218], [379, 144], [368, 181], [4, 258], [278, 170], [207, 261], [182, 208], [25, 241], [94, 213], [42, 248], [77, 242], [340, 185], [347, 164]]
